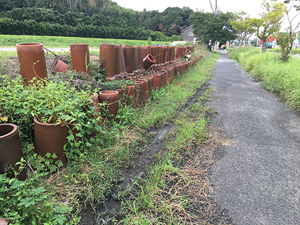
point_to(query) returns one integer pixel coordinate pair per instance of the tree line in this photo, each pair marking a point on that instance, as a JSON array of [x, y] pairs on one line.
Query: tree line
[[69, 17]]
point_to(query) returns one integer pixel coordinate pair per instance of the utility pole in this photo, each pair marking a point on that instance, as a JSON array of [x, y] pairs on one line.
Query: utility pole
[[215, 12]]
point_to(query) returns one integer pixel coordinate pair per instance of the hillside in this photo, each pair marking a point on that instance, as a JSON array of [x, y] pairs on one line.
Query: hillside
[[90, 18]]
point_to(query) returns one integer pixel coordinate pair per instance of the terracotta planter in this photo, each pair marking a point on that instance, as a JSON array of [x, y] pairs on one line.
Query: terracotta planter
[[32, 61], [180, 52], [145, 51], [184, 50], [148, 61], [164, 74], [61, 67], [164, 54], [140, 57], [160, 55], [107, 58], [117, 60], [129, 55], [120, 96], [95, 103], [50, 138], [150, 83], [157, 80], [146, 90], [130, 95], [122, 61], [170, 73], [189, 48], [10, 149], [140, 92], [149, 50], [154, 52], [80, 58], [111, 98], [172, 53], [135, 64]]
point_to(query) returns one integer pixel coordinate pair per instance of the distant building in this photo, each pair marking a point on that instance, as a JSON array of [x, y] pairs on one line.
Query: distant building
[[188, 35]]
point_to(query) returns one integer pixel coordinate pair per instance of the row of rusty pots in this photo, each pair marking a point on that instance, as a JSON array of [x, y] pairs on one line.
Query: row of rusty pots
[[51, 138]]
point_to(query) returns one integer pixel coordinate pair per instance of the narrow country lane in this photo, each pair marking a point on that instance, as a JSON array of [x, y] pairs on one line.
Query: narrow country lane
[[258, 178]]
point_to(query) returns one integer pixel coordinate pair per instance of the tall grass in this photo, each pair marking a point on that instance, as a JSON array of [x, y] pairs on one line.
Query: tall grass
[[48, 41], [276, 76]]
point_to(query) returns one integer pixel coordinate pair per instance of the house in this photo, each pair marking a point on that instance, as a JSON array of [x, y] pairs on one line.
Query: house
[[187, 34]]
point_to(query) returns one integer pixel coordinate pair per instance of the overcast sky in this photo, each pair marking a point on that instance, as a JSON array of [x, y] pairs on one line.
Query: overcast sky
[[252, 7]]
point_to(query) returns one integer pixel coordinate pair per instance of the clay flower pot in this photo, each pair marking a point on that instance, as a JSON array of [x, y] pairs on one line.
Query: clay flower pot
[[120, 96], [107, 58], [159, 57], [164, 75], [32, 61], [50, 138], [117, 60], [180, 52], [148, 61], [122, 61], [130, 95], [135, 65], [111, 98], [145, 51], [129, 55], [146, 90], [140, 92], [150, 83], [10, 149], [61, 67], [170, 74], [165, 54], [154, 52], [171, 53], [80, 58], [157, 80], [95, 103], [140, 57]]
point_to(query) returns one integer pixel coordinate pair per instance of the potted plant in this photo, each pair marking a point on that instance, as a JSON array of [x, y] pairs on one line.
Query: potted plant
[[56, 108]]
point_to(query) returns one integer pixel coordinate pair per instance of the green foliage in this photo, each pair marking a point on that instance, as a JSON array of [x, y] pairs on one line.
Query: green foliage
[[269, 21], [27, 202], [243, 25], [285, 40], [210, 29], [107, 22]]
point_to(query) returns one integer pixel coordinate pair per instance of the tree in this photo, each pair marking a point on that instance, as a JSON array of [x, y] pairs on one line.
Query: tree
[[296, 4], [270, 20], [286, 39], [244, 27], [210, 29]]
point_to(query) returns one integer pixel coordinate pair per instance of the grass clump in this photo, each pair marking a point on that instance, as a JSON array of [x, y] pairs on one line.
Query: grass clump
[[278, 77]]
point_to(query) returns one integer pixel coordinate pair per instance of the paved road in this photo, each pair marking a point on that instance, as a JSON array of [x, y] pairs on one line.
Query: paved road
[[258, 179]]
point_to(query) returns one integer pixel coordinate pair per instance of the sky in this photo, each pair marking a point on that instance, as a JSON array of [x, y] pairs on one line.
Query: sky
[[251, 7]]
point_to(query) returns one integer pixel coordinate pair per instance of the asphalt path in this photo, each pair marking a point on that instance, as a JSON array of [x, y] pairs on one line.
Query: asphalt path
[[258, 178]]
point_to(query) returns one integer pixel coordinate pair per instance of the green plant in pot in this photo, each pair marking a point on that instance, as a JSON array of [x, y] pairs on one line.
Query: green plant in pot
[[64, 119]]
